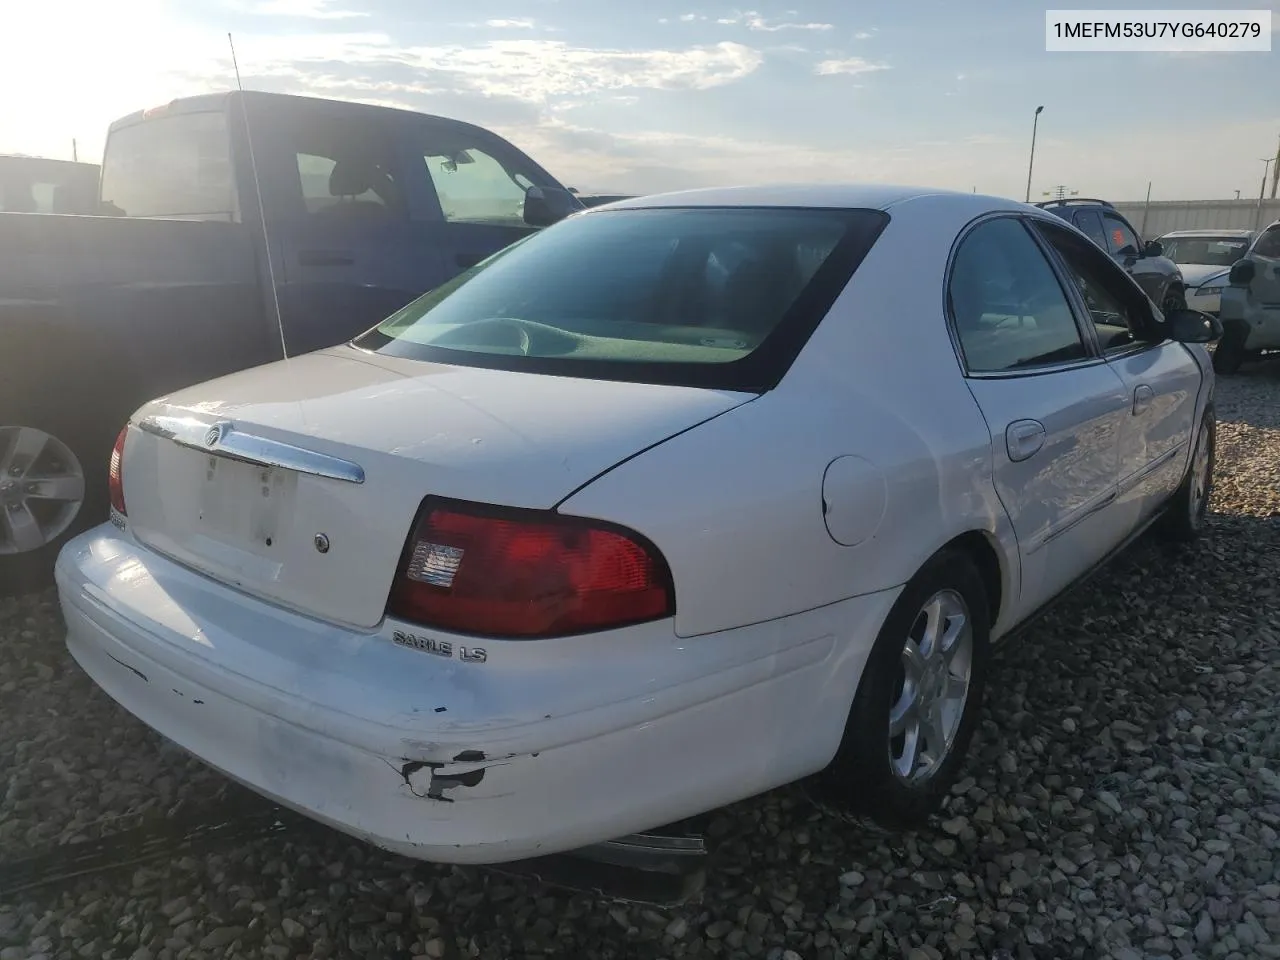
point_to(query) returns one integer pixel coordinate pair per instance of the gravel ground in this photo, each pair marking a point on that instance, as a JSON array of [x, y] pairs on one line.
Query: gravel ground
[[1122, 800]]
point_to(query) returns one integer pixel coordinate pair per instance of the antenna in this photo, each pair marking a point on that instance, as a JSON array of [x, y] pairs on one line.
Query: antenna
[[262, 211]]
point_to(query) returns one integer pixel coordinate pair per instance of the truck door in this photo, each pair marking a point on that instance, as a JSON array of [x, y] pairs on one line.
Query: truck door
[[341, 210]]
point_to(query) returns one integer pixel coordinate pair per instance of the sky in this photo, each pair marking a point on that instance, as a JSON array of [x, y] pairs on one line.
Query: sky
[[671, 94]]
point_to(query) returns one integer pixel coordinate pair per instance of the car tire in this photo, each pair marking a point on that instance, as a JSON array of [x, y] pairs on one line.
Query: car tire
[[44, 447], [1229, 352], [1184, 517], [873, 773]]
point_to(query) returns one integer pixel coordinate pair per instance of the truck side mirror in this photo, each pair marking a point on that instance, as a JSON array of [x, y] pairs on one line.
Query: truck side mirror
[[544, 206]]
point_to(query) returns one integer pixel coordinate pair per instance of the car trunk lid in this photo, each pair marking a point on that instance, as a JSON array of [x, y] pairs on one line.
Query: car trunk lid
[[298, 482]]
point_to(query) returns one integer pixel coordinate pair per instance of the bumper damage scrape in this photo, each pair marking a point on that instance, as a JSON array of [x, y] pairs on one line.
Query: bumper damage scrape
[[429, 780]]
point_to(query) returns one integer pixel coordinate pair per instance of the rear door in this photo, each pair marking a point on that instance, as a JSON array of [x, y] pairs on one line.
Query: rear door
[[341, 207], [1055, 410], [1162, 379]]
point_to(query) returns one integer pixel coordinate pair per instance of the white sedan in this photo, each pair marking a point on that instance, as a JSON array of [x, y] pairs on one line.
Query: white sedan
[[1205, 258], [676, 501]]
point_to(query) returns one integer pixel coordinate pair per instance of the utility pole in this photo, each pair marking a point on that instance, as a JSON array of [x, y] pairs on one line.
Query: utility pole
[[1060, 192], [75, 154], [1262, 190]]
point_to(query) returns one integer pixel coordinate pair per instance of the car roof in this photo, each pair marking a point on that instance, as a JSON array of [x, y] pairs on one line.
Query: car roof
[[1209, 233], [862, 196]]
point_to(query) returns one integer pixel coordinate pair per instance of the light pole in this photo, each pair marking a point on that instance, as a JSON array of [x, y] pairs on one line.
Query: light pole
[[1262, 191], [1032, 162]]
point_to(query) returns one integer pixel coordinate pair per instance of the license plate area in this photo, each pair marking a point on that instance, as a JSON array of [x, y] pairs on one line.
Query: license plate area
[[245, 505]]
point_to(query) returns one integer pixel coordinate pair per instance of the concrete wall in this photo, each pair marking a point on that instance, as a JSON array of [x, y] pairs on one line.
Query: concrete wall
[[1166, 215]]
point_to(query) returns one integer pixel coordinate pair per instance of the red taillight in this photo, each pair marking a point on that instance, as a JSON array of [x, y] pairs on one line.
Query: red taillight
[[115, 474], [525, 573]]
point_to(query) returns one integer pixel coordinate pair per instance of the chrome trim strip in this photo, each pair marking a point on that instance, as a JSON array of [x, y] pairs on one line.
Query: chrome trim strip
[[1084, 513], [1136, 478], [222, 439]]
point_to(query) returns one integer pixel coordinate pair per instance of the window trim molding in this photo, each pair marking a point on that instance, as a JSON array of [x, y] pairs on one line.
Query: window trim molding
[[1087, 339], [1084, 314]]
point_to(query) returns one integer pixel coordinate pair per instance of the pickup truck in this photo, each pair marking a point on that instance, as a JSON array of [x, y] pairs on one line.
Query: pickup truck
[[232, 229]]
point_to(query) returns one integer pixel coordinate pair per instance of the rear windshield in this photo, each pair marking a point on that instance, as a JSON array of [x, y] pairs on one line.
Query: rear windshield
[[1209, 251], [703, 296], [170, 166]]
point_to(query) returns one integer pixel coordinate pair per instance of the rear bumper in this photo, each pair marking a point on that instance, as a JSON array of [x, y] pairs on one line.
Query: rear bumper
[[549, 746]]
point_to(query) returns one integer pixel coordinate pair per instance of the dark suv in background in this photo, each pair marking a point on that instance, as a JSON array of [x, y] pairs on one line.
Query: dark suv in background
[[1159, 276]]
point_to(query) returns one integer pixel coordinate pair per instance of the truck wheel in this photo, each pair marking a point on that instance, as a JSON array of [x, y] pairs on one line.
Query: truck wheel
[[52, 486], [918, 701]]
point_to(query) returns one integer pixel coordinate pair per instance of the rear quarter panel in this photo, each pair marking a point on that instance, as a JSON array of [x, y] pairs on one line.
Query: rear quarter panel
[[737, 504]]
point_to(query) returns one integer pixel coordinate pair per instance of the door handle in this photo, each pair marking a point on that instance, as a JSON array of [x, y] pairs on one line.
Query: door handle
[[326, 258], [1024, 438], [468, 260], [1142, 397]]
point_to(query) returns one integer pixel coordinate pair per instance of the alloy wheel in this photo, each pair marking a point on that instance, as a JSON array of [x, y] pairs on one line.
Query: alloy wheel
[[932, 689], [41, 489]]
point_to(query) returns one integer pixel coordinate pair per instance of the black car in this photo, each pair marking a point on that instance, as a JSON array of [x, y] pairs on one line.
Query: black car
[[1159, 276]]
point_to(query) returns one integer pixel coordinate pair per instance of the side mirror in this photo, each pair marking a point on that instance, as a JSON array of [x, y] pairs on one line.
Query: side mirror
[[1153, 248], [1242, 273], [544, 206], [1127, 252], [1192, 326]]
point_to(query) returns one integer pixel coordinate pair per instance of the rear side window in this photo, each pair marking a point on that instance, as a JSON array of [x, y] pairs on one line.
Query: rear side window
[[699, 296], [170, 166], [1091, 224], [1010, 312]]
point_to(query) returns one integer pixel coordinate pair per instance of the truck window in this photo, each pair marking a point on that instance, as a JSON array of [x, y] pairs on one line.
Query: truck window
[[345, 168], [476, 187], [1091, 224], [1121, 234], [170, 166]]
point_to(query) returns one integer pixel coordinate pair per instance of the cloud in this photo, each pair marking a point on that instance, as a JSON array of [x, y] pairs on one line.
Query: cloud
[[510, 24], [849, 65], [691, 17], [529, 70], [306, 9], [754, 21], [862, 35]]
